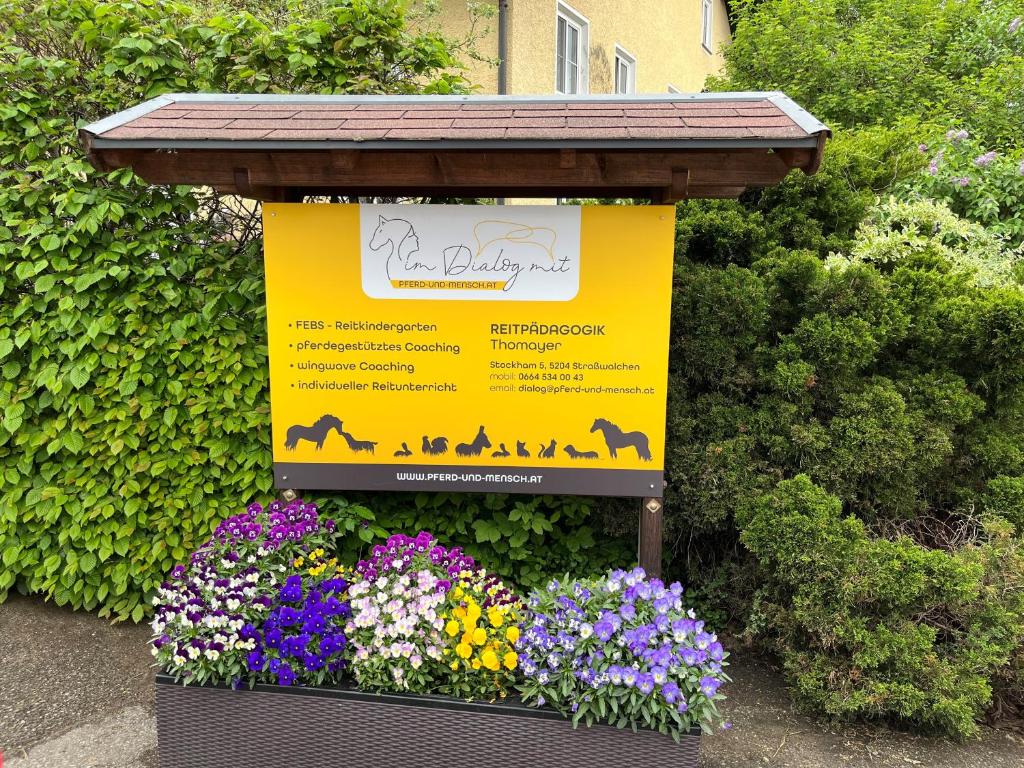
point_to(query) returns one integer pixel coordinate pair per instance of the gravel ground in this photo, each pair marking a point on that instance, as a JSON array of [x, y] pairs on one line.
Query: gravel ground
[[76, 692]]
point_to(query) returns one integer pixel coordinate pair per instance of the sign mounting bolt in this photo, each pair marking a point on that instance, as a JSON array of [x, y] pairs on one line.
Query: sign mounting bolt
[[653, 506]]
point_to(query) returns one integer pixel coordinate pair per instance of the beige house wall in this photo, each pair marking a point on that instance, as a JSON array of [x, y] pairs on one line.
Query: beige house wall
[[663, 35]]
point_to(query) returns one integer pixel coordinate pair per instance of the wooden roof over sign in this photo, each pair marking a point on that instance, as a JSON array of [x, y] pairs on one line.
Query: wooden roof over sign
[[271, 147]]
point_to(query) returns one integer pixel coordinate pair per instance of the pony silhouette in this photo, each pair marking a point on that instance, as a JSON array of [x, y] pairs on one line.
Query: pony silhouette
[[474, 448], [574, 454], [403, 451], [404, 242], [358, 445], [434, 447], [502, 453], [615, 438], [316, 433], [521, 451], [548, 452]]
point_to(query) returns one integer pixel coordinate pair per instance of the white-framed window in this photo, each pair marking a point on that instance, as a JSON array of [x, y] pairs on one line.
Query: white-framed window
[[706, 25], [571, 51], [625, 71]]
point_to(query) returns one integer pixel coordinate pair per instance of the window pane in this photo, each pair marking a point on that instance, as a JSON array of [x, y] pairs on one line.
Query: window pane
[[560, 57], [572, 59], [618, 76]]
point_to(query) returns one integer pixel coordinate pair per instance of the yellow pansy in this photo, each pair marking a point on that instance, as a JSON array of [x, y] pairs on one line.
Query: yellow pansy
[[298, 562], [459, 612], [476, 664], [452, 627], [490, 660], [458, 593], [494, 616], [454, 665], [479, 636], [473, 611], [463, 650], [512, 633], [511, 660]]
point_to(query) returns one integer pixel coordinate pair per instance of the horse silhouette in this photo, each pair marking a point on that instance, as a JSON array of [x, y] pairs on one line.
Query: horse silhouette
[[316, 433], [474, 448], [574, 454], [521, 451], [615, 438], [549, 452], [403, 451], [434, 447], [404, 242], [502, 453], [358, 445]]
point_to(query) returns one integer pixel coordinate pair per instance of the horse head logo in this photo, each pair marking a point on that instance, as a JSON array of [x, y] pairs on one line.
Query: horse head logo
[[399, 234]]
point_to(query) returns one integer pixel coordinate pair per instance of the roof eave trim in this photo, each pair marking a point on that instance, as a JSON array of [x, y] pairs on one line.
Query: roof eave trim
[[118, 119], [808, 142]]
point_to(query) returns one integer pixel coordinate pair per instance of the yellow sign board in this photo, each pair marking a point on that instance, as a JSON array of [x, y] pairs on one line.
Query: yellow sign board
[[469, 348]]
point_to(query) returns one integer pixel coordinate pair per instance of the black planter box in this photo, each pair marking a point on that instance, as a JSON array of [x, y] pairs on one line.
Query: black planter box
[[275, 727]]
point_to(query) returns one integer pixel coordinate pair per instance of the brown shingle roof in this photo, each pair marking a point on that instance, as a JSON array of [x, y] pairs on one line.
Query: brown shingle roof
[[286, 147], [249, 118]]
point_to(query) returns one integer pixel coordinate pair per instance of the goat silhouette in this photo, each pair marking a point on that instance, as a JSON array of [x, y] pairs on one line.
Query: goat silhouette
[[501, 453], [404, 451], [316, 433], [615, 438], [434, 447], [574, 454], [474, 448], [521, 451], [549, 452], [358, 445]]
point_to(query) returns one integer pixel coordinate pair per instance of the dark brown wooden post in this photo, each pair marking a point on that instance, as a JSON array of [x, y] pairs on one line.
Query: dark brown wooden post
[[649, 548]]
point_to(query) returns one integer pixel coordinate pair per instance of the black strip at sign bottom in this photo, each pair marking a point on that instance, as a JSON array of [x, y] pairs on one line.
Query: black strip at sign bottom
[[434, 477]]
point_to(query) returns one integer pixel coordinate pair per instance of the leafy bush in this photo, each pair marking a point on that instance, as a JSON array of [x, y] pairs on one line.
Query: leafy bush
[[134, 405], [983, 185], [879, 628], [896, 231], [866, 62]]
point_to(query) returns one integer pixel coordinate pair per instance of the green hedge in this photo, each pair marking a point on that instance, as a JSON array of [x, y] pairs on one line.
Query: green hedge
[[133, 407], [882, 628]]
